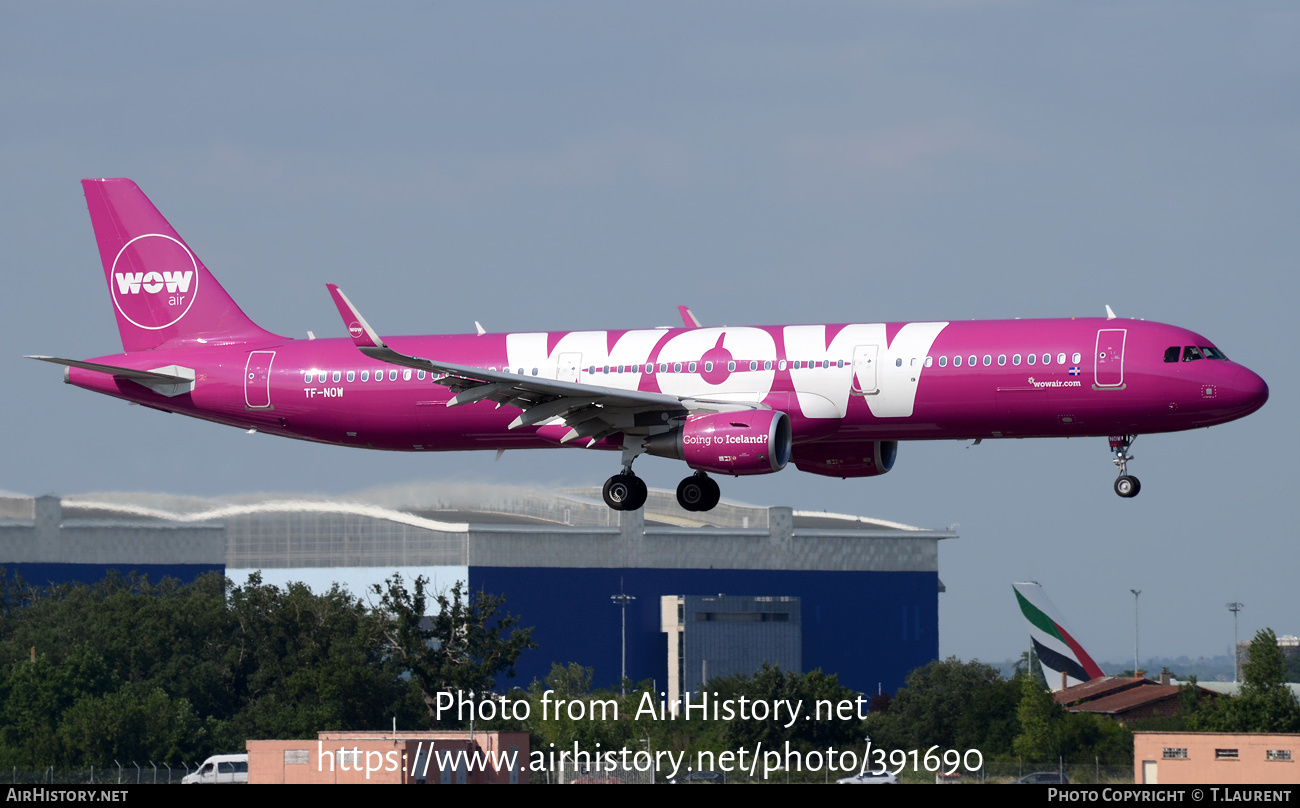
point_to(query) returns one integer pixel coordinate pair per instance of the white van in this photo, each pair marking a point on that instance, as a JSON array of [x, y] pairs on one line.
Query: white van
[[220, 769]]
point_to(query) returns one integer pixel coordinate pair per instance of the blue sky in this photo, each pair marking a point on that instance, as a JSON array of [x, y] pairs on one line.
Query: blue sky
[[592, 165]]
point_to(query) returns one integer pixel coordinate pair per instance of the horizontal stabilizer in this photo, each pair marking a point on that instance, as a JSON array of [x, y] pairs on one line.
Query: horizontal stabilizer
[[126, 373], [169, 381]]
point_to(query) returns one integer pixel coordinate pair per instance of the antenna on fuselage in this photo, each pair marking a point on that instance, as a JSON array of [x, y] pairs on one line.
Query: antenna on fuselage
[[1110, 315], [479, 328]]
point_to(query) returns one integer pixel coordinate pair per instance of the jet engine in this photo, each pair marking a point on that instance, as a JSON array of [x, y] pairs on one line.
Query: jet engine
[[735, 443], [846, 459]]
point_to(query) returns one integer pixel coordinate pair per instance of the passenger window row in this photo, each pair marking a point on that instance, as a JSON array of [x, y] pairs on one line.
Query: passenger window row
[[1016, 359], [323, 376]]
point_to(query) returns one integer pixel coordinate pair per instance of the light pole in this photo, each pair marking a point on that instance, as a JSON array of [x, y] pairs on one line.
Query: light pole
[[622, 600], [1135, 592], [1235, 607]]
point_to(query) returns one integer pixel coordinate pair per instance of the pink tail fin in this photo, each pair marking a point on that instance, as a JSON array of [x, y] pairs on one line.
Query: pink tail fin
[[161, 291]]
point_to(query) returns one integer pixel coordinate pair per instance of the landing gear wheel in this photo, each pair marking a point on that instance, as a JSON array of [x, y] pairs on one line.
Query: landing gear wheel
[[698, 493], [1127, 486], [625, 492]]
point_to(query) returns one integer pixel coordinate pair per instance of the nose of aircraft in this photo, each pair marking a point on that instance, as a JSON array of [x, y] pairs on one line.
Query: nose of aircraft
[[1245, 390]]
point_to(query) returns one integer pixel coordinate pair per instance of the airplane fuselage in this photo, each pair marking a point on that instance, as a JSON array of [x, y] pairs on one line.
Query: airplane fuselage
[[838, 383]]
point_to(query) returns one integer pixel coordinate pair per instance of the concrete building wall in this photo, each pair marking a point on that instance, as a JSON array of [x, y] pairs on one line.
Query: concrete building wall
[[1222, 758]]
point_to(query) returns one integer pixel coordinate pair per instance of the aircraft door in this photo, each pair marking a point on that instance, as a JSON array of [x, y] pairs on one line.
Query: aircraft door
[[567, 371], [257, 380], [864, 369], [1108, 370]]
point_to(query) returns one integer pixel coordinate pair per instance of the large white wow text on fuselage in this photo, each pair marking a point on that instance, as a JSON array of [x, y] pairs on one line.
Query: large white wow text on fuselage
[[823, 374]]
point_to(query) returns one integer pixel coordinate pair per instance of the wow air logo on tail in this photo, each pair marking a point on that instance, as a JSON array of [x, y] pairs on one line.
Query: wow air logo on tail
[[154, 281]]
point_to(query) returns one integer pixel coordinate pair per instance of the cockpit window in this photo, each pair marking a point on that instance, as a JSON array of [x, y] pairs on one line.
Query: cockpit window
[[1191, 353], [1212, 353], [1172, 354]]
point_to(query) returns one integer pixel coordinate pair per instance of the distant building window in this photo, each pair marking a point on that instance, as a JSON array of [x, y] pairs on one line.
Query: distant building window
[[1279, 754], [1174, 753], [296, 757], [1225, 754]]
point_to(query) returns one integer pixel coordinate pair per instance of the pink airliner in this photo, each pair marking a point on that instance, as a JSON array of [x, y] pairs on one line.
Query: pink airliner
[[834, 400]]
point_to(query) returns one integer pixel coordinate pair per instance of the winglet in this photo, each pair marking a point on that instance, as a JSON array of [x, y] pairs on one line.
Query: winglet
[[688, 319], [1110, 315], [362, 334]]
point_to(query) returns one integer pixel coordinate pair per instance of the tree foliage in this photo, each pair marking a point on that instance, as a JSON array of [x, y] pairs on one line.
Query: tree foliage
[[1265, 703], [955, 704], [464, 647], [135, 670]]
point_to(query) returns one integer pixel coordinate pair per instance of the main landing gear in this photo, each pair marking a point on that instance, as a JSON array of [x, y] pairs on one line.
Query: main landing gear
[[625, 492], [1125, 485], [698, 492]]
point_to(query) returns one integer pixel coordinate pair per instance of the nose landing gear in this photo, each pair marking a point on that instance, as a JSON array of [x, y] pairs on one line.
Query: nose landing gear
[[1125, 485], [698, 492]]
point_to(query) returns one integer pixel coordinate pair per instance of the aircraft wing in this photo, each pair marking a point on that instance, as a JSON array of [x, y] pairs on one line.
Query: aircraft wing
[[591, 412]]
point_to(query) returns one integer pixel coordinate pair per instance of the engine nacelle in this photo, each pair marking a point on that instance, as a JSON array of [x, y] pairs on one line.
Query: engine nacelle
[[736, 443], [847, 459]]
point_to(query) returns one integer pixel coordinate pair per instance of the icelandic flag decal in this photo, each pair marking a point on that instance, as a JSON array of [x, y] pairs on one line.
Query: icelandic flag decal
[[1074, 371]]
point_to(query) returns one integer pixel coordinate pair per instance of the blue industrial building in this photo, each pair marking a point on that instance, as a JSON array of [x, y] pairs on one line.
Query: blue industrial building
[[864, 591]]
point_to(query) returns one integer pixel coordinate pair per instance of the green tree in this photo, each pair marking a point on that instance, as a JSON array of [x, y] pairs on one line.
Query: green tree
[[1041, 720], [958, 705], [464, 647], [301, 662], [1265, 703], [770, 685]]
